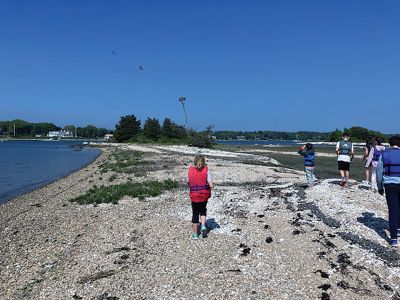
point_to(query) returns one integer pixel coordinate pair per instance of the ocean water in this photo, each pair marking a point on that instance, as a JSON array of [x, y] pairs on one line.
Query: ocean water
[[28, 165]]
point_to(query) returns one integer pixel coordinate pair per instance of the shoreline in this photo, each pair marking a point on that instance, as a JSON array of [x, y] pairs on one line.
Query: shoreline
[[269, 237], [44, 184], [31, 197]]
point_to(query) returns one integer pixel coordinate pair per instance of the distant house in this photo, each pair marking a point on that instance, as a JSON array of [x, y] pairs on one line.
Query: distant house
[[108, 136], [241, 137], [38, 135], [60, 134]]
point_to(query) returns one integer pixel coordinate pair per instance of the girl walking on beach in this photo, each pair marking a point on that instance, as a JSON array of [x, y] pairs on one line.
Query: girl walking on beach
[[373, 159], [369, 144], [200, 183]]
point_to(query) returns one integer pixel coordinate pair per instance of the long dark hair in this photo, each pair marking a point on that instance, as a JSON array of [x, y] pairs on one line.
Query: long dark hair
[[370, 143]]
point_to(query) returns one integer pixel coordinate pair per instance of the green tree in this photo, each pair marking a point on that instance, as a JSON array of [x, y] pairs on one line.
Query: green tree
[[166, 129], [101, 132], [127, 128], [335, 135], [152, 129], [358, 133], [171, 130], [44, 128]]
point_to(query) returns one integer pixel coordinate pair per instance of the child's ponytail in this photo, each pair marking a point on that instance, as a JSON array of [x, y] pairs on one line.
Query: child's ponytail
[[199, 162]]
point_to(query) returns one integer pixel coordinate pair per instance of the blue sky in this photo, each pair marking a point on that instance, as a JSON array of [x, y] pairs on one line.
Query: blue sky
[[242, 65]]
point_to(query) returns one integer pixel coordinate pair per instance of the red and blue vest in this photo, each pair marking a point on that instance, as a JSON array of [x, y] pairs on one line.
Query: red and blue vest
[[199, 189]]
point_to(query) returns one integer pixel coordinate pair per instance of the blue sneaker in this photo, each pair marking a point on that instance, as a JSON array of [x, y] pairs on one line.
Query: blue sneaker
[[204, 231], [195, 236], [393, 243]]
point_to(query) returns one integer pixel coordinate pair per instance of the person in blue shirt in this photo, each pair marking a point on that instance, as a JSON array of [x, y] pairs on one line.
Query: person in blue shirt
[[308, 153], [388, 182]]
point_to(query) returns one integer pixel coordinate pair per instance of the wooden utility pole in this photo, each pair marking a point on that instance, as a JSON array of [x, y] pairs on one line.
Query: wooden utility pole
[[182, 100]]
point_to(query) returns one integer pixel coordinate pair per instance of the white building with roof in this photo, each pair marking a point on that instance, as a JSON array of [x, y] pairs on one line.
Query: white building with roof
[[60, 134]]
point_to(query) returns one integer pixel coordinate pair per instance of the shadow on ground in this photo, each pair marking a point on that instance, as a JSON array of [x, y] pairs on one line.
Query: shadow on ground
[[377, 224], [211, 224]]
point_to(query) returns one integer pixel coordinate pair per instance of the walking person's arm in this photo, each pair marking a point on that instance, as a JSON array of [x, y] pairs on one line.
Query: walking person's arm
[[352, 152], [337, 148], [379, 176], [369, 158], [301, 150], [210, 180]]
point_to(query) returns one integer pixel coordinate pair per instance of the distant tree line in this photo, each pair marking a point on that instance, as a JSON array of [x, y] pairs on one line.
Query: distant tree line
[[272, 135], [89, 131], [28, 129], [358, 134], [24, 128]]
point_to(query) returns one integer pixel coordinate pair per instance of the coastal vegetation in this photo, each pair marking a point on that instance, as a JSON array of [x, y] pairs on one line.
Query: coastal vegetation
[[202, 139], [124, 161], [129, 130], [113, 193]]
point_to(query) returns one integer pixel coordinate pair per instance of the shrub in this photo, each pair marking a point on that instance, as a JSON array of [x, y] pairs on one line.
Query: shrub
[[201, 140], [113, 193]]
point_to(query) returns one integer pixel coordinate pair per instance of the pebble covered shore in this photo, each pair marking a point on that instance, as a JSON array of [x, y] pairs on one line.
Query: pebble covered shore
[[270, 237]]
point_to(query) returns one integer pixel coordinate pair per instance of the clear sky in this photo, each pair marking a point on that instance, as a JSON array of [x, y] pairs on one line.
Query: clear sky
[[242, 65]]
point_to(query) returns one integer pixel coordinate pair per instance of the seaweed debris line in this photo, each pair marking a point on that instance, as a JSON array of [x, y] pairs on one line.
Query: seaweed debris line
[[269, 237]]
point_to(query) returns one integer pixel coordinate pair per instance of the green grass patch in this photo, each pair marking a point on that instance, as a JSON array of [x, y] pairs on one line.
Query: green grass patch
[[125, 161], [113, 193]]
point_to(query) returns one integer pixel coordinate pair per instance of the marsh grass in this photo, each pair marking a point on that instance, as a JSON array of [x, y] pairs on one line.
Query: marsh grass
[[325, 167], [128, 162], [113, 193]]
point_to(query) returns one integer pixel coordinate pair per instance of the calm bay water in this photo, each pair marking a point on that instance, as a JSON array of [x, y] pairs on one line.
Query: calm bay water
[[27, 165]]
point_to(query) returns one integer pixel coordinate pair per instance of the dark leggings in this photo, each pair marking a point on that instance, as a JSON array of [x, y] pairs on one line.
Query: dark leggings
[[198, 208], [392, 192]]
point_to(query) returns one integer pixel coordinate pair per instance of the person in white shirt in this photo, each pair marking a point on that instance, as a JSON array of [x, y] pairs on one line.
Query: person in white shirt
[[345, 154]]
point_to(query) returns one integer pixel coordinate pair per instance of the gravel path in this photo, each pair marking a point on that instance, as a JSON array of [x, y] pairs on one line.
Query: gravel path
[[269, 237]]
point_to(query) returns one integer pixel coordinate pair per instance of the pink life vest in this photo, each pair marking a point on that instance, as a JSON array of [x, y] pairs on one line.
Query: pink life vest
[[199, 189]]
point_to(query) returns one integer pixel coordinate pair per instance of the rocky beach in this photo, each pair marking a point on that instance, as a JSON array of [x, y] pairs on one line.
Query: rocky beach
[[270, 237]]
